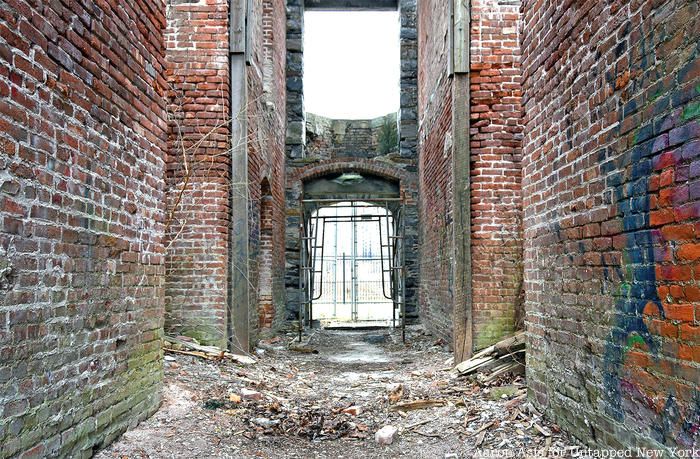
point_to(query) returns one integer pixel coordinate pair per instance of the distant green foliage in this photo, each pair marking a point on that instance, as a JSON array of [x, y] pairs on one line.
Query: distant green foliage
[[388, 137]]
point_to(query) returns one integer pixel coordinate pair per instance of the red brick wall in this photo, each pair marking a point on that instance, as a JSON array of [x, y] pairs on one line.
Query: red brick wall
[[198, 169], [82, 139], [496, 152], [266, 127], [495, 138], [197, 281], [612, 218], [435, 168]]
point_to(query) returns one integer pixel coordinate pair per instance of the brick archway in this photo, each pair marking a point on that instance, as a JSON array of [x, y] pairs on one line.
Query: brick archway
[[302, 174]]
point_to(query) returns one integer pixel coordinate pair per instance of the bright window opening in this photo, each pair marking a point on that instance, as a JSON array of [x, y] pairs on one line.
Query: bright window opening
[[351, 64]]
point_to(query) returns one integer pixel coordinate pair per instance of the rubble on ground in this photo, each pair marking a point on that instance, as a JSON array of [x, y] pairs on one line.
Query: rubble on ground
[[302, 404]]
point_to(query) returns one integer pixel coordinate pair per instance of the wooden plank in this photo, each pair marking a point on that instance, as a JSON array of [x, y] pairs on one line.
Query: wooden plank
[[237, 29], [460, 36], [418, 405], [462, 314], [473, 364], [239, 290], [461, 196]]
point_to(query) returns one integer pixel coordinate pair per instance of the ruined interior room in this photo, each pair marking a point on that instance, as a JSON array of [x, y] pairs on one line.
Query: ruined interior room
[[349, 228]]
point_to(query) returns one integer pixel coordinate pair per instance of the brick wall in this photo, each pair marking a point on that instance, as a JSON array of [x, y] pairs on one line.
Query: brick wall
[[198, 169], [198, 259], [82, 135], [496, 152], [435, 168], [330, 138], [612, 214], [495, 169], [266, 159]]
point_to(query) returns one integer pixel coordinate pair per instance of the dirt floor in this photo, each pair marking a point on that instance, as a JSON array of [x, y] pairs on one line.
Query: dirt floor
[[329, 404]]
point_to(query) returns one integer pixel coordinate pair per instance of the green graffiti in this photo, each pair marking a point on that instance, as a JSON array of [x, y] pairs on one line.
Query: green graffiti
[[632, 341], [692, 111]]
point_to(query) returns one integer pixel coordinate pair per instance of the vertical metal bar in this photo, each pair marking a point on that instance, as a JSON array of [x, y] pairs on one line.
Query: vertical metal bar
[[335, 269], [302, 270], [381, 257], [402, 256], [390, 254], [353, 266], [343, 278], [316, 247]]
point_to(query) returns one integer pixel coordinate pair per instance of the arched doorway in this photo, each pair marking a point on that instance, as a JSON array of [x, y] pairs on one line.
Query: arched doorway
[[266, 309], [352, 252]]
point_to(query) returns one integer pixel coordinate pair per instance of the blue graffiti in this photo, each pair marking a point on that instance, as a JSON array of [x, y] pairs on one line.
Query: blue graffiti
[[638, 289]]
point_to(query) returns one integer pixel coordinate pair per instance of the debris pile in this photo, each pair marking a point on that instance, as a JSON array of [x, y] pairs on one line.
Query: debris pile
[[357, 397], [506, 356], [189, 346]]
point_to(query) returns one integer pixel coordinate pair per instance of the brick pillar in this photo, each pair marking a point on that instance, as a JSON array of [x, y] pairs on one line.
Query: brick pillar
[[198, 198], [496, 153]]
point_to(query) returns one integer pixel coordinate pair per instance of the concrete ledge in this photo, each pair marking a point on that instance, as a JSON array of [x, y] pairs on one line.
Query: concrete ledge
[[351, 5]]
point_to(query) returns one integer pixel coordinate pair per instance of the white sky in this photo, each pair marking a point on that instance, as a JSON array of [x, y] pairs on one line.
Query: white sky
[[351, 63]]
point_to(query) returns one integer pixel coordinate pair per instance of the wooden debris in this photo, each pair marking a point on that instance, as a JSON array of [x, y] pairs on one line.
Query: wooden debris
[[547, 445], [395, 392], [418, 405], [480, 438], [542, 431], [485, 427], [178, 345], [431, 435], [501, 358], [303, 349], [419, 423]]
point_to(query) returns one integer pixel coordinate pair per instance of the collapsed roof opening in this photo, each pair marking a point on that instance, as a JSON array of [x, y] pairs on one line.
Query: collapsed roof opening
[[351, 63]]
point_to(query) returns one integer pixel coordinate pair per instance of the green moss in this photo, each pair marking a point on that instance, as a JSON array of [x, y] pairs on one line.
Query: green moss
[[498, 392]]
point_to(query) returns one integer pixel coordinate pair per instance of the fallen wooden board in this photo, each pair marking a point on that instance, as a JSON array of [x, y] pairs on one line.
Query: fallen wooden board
[[212, 352], [503, 349], [202, 355], [418, 405], [472, 364]]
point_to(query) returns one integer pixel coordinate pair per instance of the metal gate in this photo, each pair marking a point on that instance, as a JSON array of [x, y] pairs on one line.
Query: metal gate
[[351, 276]]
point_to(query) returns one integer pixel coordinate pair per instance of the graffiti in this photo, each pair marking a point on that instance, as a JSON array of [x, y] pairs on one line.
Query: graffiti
[[673, 418]]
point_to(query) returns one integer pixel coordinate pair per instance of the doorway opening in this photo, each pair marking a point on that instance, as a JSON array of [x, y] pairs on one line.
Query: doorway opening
[[352, 279], [352, 258], [266, 309]]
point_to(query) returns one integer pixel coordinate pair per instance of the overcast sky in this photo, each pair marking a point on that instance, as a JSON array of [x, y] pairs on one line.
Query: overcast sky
[[351, 63]]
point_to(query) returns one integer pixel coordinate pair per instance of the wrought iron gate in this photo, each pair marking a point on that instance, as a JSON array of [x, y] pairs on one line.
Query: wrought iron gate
[[362, 278]]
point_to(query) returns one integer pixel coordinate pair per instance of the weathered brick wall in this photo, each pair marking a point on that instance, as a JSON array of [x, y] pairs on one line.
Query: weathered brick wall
[[612, 214], [496, 152], [435, 168], [495, 169], [198, 169], [266, 159], [82, 139], [198, 258], [329, 138]]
